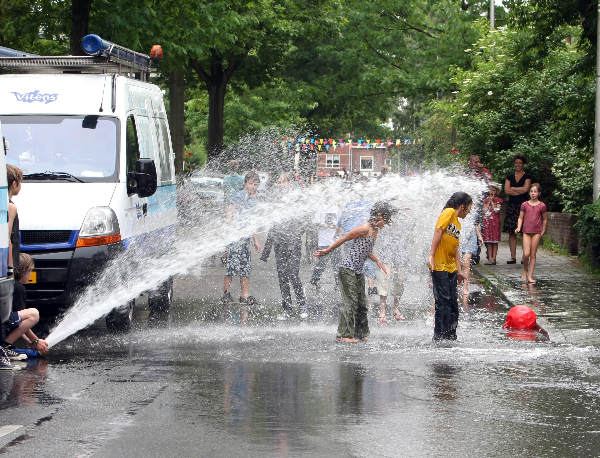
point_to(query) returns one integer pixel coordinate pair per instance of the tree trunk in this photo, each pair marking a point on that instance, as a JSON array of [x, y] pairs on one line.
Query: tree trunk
[[177, 116], [216, 84], [216, 116], [80, 18]]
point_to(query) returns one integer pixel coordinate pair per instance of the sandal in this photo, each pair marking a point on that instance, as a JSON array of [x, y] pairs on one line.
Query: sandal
[[398, 315]]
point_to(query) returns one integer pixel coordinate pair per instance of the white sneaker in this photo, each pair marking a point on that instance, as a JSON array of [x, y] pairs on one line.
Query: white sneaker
[[13, 355], [303, 315], [283, 317]]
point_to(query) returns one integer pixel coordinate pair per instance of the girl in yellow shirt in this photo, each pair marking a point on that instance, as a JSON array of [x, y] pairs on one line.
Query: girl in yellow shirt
[[444, 263]]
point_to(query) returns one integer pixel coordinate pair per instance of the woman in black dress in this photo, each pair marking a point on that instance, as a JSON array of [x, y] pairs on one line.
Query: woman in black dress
[[516, 187]]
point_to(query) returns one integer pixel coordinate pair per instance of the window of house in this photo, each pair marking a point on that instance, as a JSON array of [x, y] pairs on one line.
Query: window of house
[[366, 163], [332, 161]]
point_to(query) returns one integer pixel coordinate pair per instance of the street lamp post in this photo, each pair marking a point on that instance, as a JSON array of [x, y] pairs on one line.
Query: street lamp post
[[596, 189]]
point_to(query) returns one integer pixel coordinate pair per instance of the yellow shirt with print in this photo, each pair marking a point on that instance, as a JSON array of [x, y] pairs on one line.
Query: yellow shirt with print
[[445, 255]]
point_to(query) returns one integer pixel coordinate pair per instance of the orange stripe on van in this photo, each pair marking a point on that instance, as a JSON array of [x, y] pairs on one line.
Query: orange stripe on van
[[97, 241]]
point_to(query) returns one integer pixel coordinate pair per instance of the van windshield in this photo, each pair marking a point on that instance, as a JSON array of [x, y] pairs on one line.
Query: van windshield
[[63, 148]]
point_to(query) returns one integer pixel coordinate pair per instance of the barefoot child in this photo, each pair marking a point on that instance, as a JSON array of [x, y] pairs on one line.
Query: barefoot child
[[392, 250], [354, 324], [444, 263], [533, 219], [491, 222]]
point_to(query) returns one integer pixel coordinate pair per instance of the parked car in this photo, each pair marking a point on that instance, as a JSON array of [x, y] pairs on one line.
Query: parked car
[[208, 191]]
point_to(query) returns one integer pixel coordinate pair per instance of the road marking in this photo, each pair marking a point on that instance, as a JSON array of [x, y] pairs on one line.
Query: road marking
[[7, 429]]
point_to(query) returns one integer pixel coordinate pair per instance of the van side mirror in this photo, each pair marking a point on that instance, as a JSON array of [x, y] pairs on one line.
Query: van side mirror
[[145, 177]]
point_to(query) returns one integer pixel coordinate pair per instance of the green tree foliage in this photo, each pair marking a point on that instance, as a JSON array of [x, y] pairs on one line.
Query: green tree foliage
[[36, 26], [502, 108], [544, 17]]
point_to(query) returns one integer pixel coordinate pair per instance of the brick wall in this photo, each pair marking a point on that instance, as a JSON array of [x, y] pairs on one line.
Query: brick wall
[[560, 230]]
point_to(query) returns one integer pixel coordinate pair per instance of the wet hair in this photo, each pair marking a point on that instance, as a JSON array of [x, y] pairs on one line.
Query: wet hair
[[457, 199], [25, 265], [521, 157], [384, 209], [13, 174], [252, 176], [538, 186], [234, 165]]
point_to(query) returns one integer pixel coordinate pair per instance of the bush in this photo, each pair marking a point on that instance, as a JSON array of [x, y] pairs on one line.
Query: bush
[[588, 227], [574, 170]]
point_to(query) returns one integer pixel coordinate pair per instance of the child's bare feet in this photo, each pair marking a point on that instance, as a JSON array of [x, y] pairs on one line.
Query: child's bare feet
[[524, 277], [347, 339], [532, 281], [398, 315]]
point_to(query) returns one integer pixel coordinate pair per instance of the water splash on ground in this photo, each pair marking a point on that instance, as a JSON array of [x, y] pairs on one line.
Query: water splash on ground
[[200, 236]]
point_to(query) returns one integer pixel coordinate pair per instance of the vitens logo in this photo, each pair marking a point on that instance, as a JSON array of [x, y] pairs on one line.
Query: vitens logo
[[35, 96]]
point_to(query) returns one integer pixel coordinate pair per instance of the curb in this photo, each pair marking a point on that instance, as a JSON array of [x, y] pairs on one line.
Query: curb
[[493, 282]]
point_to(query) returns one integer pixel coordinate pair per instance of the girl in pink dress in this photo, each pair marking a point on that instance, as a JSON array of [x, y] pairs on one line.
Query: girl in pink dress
[[491, 222], [533, 219]]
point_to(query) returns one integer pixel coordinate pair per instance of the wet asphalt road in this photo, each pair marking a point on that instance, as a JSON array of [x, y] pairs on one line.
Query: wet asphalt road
[[203, 387]]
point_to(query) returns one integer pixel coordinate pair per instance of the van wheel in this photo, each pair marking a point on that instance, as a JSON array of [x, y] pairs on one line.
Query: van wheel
[[159, 302], [121, 318]]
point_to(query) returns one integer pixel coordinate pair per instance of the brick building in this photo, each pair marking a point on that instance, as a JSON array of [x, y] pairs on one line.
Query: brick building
[[367, 161]]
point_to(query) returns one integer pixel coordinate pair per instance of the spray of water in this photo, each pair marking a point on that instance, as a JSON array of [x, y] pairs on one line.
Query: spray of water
[[420, 197]]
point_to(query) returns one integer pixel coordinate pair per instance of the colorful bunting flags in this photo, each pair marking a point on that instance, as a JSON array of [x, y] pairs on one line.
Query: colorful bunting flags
[[321, 144]]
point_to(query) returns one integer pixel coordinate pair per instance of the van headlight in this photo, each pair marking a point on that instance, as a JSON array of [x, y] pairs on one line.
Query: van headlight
[[100, 227]]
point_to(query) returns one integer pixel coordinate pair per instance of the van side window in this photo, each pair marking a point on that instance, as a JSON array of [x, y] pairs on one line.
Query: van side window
[[132, 154], [165, 153]]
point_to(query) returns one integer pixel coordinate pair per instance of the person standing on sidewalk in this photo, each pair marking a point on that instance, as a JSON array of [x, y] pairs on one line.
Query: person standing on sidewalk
[[533, 219], [491, 222], [444, 263], [516, 187], [354, 324]]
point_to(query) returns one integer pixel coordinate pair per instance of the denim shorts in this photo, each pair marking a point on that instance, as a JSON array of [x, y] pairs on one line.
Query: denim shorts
[[14, 321]]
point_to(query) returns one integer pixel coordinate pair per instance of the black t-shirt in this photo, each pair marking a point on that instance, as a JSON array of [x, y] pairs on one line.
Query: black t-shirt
[[15, 240], [19, 295], [518, 200]]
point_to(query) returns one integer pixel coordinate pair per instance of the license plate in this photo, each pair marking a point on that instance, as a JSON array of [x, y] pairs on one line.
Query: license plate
[[33, 277]]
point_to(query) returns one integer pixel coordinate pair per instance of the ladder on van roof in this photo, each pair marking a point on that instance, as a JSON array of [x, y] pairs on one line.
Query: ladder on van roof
[[106, 57]]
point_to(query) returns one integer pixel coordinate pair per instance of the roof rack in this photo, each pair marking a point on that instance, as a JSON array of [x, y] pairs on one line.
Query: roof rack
[[9, 52], [106, 57]]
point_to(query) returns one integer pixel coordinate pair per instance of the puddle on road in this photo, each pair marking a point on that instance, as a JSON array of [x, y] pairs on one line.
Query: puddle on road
[[289, 389]]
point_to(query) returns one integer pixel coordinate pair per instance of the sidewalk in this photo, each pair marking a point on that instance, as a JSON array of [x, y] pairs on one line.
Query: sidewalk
[[559, 279]]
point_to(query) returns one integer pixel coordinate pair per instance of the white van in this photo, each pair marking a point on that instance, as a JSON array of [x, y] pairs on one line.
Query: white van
[[94, 146]]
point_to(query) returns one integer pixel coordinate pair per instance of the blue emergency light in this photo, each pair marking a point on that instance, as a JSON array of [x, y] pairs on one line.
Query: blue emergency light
[[9, 52], [95, 46]]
